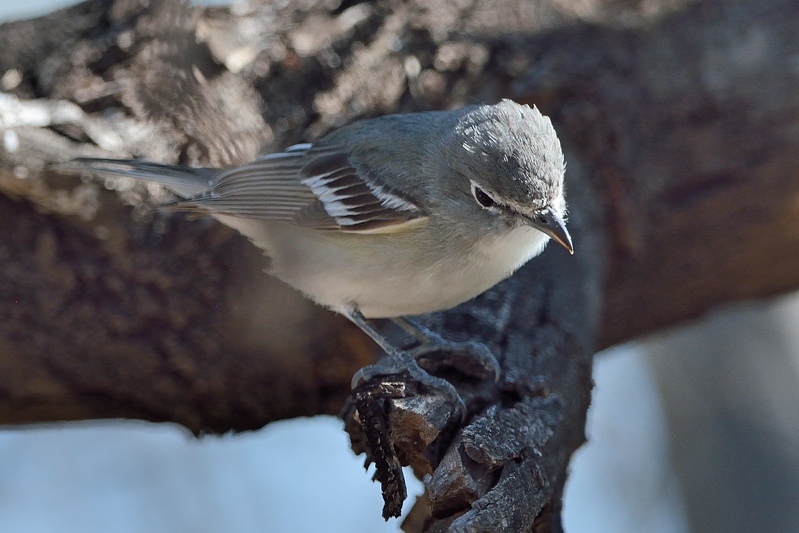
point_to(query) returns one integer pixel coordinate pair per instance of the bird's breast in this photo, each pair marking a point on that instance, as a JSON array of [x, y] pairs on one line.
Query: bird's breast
[[390, 275]]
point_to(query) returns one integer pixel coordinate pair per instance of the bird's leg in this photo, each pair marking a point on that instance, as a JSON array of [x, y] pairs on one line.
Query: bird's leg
[[398, 362], [467, 354]]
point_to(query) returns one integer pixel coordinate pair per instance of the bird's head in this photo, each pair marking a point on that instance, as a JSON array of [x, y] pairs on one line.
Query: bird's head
[[508, 170]]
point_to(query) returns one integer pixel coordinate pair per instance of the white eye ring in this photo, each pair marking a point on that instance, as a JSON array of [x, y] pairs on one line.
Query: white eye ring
[[483, 198]]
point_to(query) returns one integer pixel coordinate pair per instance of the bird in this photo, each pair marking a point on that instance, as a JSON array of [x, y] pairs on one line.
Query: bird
[[390, 217]]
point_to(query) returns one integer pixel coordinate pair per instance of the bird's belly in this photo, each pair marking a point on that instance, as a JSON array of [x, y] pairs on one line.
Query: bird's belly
[[406, 292], [382, 278]]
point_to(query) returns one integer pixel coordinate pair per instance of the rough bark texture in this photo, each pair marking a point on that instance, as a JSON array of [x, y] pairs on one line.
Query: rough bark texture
[[680, 123]]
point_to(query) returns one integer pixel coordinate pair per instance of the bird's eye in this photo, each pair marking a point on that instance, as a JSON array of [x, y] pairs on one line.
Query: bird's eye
[[482, 198]]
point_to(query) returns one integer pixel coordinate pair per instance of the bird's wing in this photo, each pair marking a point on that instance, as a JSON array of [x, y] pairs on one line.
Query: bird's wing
[[352, 198], [315, 187], [312, 187], [268, 189]]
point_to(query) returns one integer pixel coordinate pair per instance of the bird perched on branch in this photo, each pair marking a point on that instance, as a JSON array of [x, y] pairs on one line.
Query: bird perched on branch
[[392, 216]]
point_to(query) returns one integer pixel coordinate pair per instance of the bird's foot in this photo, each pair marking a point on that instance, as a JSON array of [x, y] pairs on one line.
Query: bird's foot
[[398, 363], [471, 358]]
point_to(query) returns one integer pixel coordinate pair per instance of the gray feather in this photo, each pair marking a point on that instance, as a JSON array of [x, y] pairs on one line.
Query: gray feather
[[183, 181]]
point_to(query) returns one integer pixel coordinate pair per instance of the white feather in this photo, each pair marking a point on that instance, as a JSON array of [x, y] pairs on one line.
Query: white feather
[[387, 199], [333, 199]]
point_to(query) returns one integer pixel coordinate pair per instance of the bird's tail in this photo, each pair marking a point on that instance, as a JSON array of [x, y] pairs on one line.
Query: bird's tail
[[186, 182]]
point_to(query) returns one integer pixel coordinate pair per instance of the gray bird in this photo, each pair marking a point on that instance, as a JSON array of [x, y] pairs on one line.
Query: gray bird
[[392, 216]]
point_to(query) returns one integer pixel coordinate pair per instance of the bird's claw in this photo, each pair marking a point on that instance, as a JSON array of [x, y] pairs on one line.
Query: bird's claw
[[405, 363], [469, 358]]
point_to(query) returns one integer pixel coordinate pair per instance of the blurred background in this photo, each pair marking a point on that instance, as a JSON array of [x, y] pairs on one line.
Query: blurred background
[[695, 430]]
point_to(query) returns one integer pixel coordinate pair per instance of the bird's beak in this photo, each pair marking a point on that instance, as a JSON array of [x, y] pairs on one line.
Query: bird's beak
[[548, 222]]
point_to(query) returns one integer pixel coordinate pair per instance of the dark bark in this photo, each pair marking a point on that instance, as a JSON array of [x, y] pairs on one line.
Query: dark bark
[[679, 122]]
